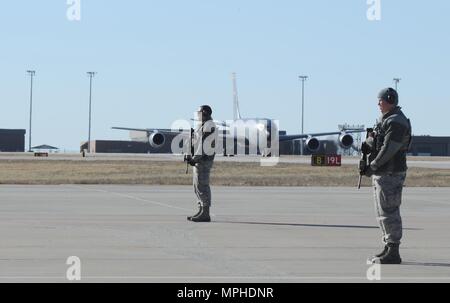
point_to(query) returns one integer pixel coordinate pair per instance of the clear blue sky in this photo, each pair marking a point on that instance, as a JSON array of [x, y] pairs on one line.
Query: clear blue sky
[[158, 60]]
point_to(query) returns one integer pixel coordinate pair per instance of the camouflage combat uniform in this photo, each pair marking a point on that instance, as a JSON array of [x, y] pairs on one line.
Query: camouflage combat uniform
[[393, 137], [204, 145]]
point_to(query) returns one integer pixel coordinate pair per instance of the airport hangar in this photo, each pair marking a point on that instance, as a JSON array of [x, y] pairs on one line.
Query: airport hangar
[[12, 140]]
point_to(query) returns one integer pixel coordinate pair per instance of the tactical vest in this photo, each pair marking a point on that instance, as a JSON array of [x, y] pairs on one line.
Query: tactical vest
[[396, 163], [200, 136]]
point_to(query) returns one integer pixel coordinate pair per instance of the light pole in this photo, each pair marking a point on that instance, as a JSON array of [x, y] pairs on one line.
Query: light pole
[[32, 73], [303, 79], [396, 81], [91, 75]]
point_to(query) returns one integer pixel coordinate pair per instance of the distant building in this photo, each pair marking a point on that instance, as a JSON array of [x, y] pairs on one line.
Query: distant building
[[430, 146], [110, 146], [12, 140], [45, 148], [126, 147]]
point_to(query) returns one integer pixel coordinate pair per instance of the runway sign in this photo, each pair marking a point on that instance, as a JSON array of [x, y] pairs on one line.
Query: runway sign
[[41, 154], [326, 160]]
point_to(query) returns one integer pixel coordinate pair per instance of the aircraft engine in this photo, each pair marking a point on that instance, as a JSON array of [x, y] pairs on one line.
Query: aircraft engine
[[156, 139], [313, 144], [346, 140]]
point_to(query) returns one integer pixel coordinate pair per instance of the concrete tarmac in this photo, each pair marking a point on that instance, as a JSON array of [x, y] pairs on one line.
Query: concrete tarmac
[[258, 234]]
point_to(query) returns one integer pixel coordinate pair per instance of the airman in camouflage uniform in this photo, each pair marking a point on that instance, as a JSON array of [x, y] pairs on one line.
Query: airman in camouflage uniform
[[389, 143], [205, 137]]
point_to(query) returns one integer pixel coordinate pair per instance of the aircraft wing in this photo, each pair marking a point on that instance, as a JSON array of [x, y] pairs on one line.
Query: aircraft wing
[[217, 122], [153, 130], [304, 136], [221, 123]]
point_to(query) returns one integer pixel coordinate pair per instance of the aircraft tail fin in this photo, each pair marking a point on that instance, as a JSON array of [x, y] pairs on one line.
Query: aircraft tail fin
[[236, 111]]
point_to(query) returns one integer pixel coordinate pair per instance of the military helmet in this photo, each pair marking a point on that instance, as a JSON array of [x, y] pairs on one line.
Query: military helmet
[[389, 95], [206, 110]]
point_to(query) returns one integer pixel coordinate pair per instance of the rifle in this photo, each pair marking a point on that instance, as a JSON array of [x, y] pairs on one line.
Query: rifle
[[191, 149], [365, 151]]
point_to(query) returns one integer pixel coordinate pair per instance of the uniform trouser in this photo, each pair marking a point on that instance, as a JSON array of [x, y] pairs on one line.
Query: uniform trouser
[[388, 198], [201, 182]]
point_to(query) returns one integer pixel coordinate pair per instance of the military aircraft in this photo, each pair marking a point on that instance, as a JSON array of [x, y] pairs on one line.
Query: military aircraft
[[242, 131]]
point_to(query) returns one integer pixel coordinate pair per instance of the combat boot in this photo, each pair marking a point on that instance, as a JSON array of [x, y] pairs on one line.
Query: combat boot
[[385, 250], [198, 212], [392, 256], [203, 216]]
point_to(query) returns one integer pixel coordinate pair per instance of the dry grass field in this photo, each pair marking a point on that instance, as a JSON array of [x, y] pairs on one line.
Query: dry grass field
[[173, 173]]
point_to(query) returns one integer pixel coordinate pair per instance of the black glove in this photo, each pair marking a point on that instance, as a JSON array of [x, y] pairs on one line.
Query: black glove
[[368, 172], [189, 160], [365, 148]]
